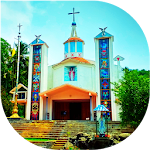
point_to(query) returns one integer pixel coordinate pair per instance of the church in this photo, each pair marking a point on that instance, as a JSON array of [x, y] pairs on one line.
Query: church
[[72, 88]]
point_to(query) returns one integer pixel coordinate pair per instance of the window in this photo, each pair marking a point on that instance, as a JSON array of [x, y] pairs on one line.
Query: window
[[21, 95], [66, 48], [79, 47], [72, 46]]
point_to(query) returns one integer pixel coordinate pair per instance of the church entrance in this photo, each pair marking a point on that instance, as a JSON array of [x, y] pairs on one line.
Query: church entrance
[[71, 110], [75, 111]]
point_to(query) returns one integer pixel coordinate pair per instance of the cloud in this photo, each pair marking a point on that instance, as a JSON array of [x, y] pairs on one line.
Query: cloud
[[13, 13], [17, 12]]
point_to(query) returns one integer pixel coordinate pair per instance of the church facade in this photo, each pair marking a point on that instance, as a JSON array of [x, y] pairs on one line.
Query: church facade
[[72, 88]]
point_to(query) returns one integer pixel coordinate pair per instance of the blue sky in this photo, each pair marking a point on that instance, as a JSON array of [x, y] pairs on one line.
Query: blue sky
[[51, 20]]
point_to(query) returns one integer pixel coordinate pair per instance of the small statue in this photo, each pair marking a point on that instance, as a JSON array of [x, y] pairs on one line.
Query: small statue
[[103, 30], [102, 128], [37, 38]]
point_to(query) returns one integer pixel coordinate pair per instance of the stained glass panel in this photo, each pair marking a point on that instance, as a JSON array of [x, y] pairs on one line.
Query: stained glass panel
[[37, 49], [36, 58], [35, 96], [37, 67], [104, 43], [105, 95], [36, 82], [105, 84], [104, 63], [36, 77], [36, 87], [104, 53], [104, 73], [107, 104]]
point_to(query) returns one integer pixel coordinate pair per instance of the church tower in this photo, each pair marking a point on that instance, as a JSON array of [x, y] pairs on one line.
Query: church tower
[[74, 46], [104, 71], [37, 77]]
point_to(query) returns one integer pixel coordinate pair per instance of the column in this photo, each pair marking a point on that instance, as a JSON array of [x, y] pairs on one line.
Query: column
[[50, 100], [41, 109], [91, 111]]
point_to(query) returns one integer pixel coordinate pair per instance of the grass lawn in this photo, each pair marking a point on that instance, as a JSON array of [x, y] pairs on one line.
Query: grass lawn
[[39, 140]]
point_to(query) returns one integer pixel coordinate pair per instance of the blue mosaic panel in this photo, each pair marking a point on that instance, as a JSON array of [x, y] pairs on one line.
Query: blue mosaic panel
[[104, 63], [105, 95], [105, 84], [70, 73], [66, 48], [72, 46], [37, 49], [79, 47], [104, 73], [35, 96], [104, 53], [36, 77], [36, 58], [104, 43]]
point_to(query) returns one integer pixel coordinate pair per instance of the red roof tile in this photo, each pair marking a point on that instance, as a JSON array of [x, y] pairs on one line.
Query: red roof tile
[[72, 39]]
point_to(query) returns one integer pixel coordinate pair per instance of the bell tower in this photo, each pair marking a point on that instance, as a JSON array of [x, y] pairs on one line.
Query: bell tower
[[104, 71], [74, 46], [37, 77]]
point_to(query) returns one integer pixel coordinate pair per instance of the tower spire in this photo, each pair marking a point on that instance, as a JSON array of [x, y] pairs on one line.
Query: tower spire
[[73, 32], [73, 14]]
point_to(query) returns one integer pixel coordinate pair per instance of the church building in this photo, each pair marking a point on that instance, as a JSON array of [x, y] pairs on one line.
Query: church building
[[72, 88]]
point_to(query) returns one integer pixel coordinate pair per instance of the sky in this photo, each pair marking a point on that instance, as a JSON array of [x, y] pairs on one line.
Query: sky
[[50, 19]]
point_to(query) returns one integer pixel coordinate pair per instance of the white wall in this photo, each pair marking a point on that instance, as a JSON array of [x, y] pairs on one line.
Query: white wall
[[44, 68], [50, 78], [85, 75]]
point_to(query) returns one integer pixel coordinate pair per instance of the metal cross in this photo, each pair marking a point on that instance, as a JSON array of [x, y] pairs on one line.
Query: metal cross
[[73, 14], [19, 27]]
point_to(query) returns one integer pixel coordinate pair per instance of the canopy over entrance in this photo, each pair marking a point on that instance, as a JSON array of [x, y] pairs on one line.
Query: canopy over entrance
[[68, 102], [66, 87]]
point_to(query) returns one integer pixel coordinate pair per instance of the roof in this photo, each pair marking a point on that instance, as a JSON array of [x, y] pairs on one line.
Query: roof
[[72, 39], [77, 59], [118, 58], [65, 87], [18, 87], [39, 42], [101, 36]]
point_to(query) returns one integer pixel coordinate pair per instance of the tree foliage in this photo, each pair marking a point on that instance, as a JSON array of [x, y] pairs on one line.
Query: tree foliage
[[9, 72], [133, 94]]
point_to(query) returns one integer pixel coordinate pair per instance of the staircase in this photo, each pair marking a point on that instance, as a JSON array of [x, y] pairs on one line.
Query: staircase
[[54, 134]]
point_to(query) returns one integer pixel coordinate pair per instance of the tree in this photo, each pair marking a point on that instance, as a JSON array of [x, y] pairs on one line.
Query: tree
[[133, 94], [9, 71]]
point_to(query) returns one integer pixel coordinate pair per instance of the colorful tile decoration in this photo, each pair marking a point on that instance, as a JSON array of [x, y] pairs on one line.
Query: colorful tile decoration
[[104, 83], [104, 63], [35, 99], [105, 95], [104, 73]]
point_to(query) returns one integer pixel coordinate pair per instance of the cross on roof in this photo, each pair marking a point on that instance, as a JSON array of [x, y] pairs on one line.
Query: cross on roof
[[73, 14]]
